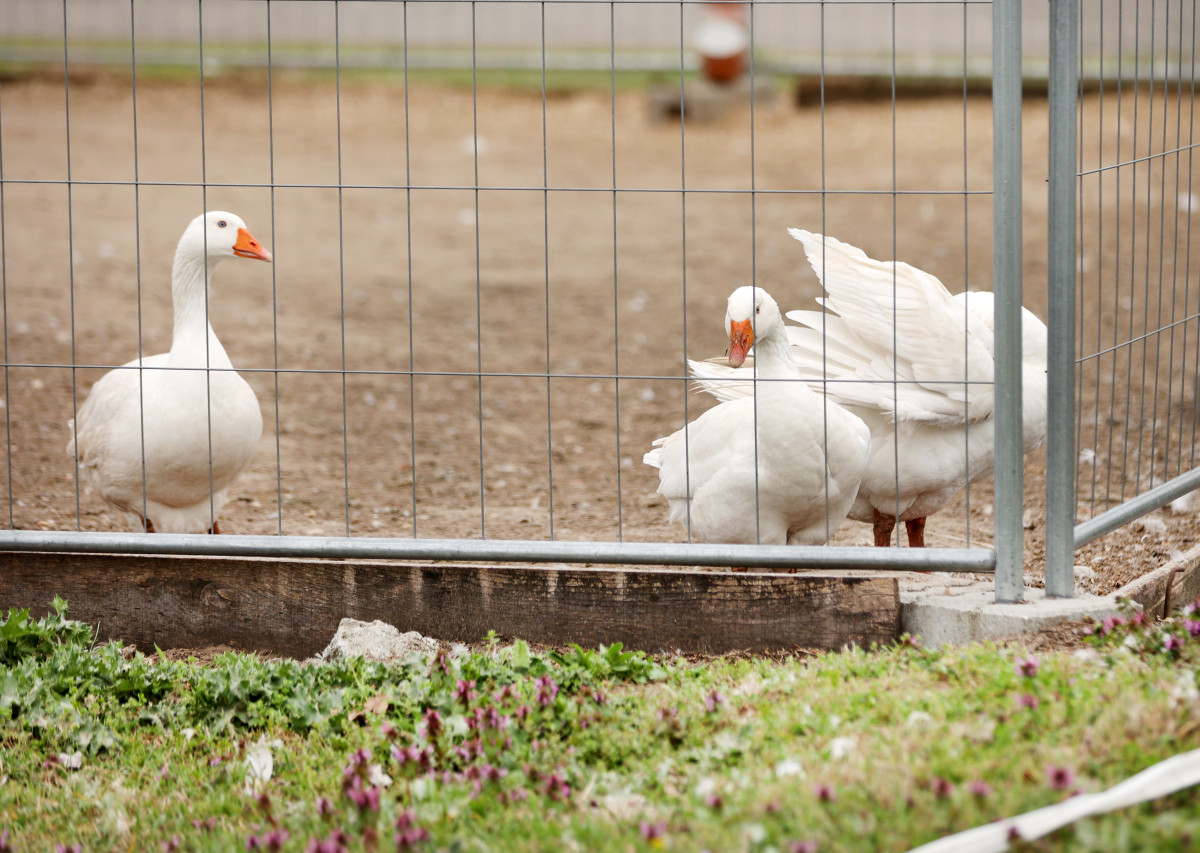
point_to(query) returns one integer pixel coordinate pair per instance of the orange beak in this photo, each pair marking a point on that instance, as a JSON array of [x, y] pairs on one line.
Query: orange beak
[[741, 338], [247, 247]]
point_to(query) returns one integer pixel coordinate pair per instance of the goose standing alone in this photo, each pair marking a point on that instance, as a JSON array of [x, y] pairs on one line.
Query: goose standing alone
[[917, 365], [163, 446], [781, 466]]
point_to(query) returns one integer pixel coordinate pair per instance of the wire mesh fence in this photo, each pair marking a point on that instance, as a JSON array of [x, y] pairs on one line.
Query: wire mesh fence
[[500, 229], [1136, 269]]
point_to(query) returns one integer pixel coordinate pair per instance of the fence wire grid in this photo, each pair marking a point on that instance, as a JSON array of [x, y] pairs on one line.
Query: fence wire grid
[[500, 228]]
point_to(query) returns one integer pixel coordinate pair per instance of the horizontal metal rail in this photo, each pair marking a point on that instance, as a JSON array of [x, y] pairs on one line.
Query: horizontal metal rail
[[1119, 516], [465, 188], [506, 551]]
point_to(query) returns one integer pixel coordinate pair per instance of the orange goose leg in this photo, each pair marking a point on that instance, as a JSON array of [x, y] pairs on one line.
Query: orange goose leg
[[916, 532], [884, 525]]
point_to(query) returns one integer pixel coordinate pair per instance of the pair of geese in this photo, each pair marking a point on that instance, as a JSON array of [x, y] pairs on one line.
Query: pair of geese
[[904, 424], [879, 409]]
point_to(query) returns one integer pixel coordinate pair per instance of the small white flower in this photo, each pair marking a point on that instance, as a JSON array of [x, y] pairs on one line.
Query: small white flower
[[755, 833], [377, 777], [919, 720], [840, 747], [1184, 690], [789, 767], [260, 766], [71, 760]]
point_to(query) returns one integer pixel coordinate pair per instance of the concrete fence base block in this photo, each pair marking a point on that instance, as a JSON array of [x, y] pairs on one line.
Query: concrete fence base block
[[970, 614]]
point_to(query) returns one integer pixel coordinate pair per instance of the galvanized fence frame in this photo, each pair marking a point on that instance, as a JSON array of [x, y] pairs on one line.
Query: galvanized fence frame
[[1006, 560], [1064, 533]]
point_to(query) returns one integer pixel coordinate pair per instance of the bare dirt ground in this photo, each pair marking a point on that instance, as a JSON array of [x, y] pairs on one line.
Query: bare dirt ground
[[442, 361]]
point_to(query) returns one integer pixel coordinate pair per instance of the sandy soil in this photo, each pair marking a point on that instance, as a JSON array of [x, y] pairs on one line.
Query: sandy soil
[[442, 361]]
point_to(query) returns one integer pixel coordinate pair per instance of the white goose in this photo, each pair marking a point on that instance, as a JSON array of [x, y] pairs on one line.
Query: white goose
[[916, 364], [783, 450], [142, 438]]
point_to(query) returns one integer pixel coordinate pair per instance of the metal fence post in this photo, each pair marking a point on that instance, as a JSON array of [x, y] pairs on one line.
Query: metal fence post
[[1006, 265], [1060, 430]]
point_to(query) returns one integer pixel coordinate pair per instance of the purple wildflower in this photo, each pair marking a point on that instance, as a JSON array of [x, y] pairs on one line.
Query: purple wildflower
[[1193, 627], [433, 724], [1028, 700], [713, 701], [557, 787], [1027, 667], [1060, 778], [493, 719], [408, 833], [547, 690], [64, 848], [979, 788], [464, 691], [5, 847], [366, 799], [325, 807], [652, 831], [169, 846], [1172, 643], [825, 793], [334, 842], [805, 846], [941, 788], [474, 719]]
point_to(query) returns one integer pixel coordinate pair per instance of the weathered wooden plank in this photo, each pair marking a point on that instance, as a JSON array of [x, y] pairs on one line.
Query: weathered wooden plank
[[292, 607]]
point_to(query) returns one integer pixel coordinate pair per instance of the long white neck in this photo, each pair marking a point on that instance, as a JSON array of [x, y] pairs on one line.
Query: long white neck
[[194, 344], [773, 357]]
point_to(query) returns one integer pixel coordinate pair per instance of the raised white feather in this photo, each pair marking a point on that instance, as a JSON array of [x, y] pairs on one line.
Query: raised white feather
[[779, 466], [162, 438], [915, 363]]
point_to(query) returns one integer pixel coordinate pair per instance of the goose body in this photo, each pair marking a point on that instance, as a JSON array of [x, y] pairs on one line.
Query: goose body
[[917, 366], [779, 466], [162, 438]]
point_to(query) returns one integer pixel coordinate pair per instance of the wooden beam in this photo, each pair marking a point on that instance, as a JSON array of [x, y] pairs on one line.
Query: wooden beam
[[292, 607]]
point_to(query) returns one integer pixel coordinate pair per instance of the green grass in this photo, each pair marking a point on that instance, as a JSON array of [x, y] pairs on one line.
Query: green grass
[[312, 64], [525, 750]]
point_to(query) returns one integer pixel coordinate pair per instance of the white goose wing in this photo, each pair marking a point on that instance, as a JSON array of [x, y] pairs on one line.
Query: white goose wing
[[692, 455], [914, 352]]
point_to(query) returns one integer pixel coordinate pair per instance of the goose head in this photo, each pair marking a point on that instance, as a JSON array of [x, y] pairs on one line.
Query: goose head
[[219, 234], [750, 312]]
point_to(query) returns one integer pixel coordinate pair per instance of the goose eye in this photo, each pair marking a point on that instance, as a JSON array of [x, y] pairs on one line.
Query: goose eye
[[221, 223], [757, 309]]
